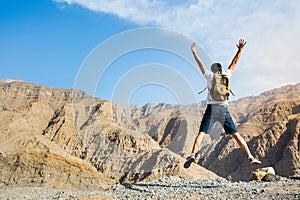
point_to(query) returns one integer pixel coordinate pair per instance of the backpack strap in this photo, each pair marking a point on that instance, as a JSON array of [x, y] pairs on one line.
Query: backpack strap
[[202, 90]]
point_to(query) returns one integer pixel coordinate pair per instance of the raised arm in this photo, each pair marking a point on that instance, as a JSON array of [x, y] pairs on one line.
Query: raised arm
[[197, 58], [237, 56]]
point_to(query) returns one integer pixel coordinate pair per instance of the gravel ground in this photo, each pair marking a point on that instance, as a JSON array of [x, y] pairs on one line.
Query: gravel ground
[[170, 188]]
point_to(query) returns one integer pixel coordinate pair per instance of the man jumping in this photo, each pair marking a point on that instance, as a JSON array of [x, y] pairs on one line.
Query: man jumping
[[217, 110]]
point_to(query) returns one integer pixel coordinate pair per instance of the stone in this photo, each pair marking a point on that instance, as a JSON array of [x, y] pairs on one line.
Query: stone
[[260, 173], [270, 178]]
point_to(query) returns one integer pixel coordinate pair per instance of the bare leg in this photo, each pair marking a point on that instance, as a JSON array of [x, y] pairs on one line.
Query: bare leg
[[242, 143], [196, 147], [198, 142]]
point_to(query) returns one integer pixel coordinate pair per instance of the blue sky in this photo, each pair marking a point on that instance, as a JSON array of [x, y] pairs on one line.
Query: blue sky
[[50, 42]]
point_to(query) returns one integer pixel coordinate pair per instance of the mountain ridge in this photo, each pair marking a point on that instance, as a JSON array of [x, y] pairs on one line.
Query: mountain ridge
[[119, 143]]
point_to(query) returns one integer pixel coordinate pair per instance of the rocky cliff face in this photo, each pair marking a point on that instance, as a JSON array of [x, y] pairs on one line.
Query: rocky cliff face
[[268, 122], [27, 157], [64, 138], [272, 134], [244, 108]]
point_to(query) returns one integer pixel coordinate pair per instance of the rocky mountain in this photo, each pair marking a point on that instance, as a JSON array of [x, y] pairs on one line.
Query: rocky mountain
[[272, 133], [268, 122], [65, 138], [244, 108]]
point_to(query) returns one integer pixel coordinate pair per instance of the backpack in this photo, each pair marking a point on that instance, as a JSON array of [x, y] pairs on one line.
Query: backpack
[[220, 89]]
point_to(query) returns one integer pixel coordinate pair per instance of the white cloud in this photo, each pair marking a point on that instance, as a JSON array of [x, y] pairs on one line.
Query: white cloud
[[271, 29], [270, 59]]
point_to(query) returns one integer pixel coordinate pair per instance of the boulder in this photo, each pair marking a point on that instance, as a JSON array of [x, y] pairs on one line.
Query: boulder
[[259, 174]]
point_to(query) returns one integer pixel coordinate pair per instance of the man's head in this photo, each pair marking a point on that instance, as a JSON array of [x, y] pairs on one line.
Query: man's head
[[216, 67]]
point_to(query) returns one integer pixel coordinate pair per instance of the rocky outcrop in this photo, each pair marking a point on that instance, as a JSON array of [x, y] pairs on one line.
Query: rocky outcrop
[[27, 157], [66, 139], [244, 108], [46, 169], [268, 122], [62, 137], [261, 173], [272, 133], [172, 126]]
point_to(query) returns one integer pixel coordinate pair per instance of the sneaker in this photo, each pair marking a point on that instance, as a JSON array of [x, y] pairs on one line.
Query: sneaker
[[189, 161], [254, 161]]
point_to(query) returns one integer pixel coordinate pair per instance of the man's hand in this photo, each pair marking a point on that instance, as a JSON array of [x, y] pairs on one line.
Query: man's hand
[[241, 44], [197, 58], [194, 49], [237, 56]]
